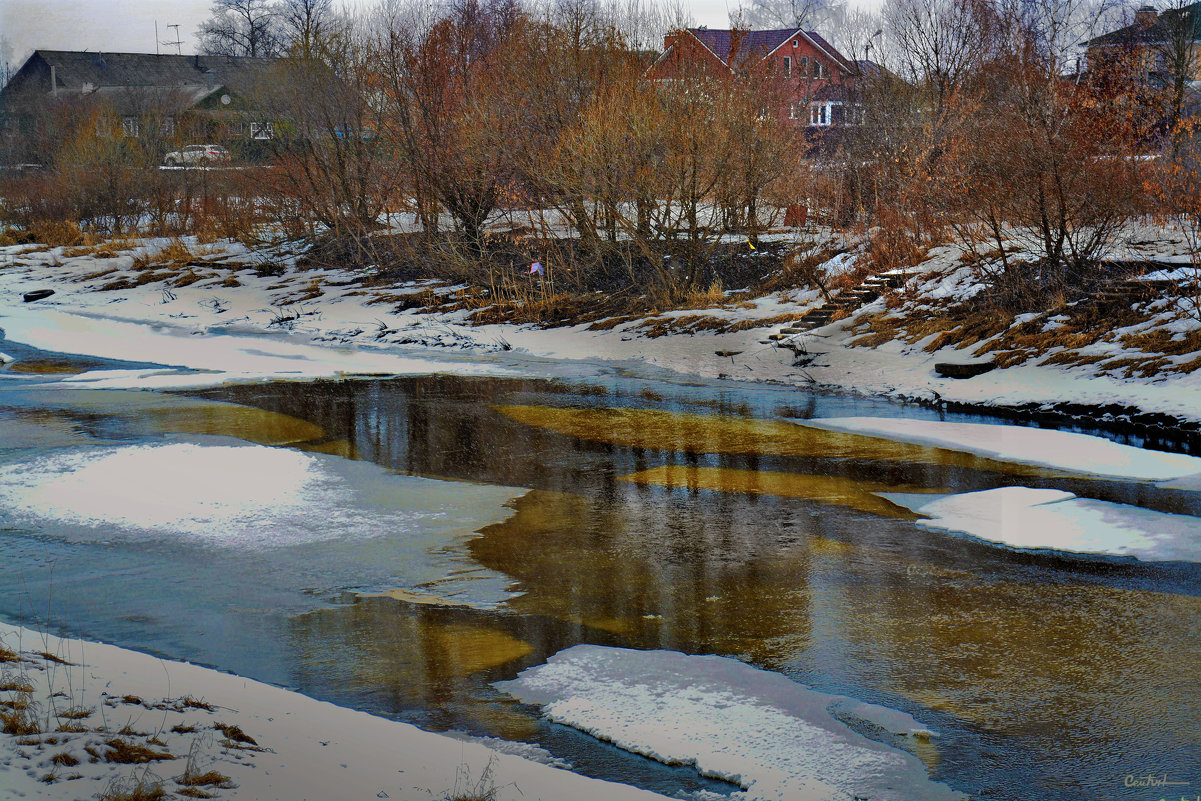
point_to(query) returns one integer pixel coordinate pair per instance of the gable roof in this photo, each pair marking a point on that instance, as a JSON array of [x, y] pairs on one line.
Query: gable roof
[[188, 79], [1166, 26], [735, 47]]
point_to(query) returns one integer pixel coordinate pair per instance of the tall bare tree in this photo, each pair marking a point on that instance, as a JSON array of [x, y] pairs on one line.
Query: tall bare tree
[[242, 28]]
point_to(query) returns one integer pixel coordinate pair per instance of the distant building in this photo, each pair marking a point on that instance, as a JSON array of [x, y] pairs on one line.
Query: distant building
[[1146, 44], [815, 84], [170, 98]]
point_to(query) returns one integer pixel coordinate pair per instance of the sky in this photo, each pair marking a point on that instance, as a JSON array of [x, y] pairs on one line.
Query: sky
[[128, 25]]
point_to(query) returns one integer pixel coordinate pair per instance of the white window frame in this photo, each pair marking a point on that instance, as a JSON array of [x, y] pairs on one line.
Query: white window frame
[[787, 66], [819, 70], [129, 126], [262, 130], [795, 110], [166, 126]]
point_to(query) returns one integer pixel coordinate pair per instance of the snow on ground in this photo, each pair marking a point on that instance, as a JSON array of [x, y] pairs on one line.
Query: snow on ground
[[256, 741], [1062, 450], [1045, 519], [774, 738], [239, 322], [222, 357]]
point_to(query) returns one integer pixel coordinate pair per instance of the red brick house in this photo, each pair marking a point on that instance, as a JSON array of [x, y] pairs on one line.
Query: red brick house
[[814, 83]]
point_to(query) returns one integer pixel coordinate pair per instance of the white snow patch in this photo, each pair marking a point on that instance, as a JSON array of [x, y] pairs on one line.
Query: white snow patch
[[1061, 450], [1044, 519], [225, 357], [774, 738], [312, 749]]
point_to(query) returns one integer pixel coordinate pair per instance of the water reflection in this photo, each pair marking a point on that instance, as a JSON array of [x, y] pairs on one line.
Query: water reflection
[[665, 519]]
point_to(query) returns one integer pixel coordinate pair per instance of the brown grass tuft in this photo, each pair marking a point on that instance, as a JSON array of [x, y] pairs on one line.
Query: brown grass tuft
[[128, 753], [65, 760]]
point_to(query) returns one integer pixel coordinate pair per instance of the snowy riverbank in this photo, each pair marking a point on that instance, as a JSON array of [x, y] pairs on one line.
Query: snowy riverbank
[[224, 316], [106, 714]]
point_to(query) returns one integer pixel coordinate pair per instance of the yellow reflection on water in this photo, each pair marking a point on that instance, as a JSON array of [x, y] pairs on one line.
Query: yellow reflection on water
[[43, 368], [691, 433], [1089, 662], [413, 655], [834, 490], [232, 420]]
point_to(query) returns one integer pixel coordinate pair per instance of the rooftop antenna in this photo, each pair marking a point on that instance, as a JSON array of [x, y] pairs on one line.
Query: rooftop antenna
[[176, 41]]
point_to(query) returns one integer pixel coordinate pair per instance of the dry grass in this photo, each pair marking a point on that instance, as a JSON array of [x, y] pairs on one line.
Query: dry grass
[[235, 735], [76, 713], [65, 760], [21, 717], [144, 787], [127, 753]]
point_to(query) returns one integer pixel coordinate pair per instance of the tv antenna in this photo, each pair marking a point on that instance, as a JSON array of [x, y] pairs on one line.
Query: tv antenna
[[176, 41]]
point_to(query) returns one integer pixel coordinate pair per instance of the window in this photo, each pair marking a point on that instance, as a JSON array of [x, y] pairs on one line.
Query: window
[[129, 126], [795, 42], [819, 70], [818, 114], [796, 111], [166, 126], [261, 130], [787, 66]]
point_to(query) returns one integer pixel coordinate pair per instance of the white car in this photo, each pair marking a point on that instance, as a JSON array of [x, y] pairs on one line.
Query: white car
[[197, 156]]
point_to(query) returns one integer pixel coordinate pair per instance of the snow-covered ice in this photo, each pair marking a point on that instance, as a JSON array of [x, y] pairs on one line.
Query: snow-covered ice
[[251, 498], [1060, 450], [773, 737], [1046, 519]]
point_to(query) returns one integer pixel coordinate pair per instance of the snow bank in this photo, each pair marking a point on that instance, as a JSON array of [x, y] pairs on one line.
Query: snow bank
[[303, 749], [221, 357], [773, 737], [1044, 519], [1061, 450]]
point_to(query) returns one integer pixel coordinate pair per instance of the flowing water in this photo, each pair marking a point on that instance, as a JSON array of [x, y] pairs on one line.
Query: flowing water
[[400, 545]]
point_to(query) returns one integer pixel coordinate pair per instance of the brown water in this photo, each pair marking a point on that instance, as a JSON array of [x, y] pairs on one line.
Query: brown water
[[694, 519]]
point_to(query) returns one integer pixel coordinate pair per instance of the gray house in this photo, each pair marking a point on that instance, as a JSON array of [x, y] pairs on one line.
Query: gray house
[[168, 99]]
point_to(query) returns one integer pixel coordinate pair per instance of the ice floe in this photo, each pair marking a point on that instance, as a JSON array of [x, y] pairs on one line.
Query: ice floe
[[1061, 450], [1046, 519], [771, 736], [368, 527]]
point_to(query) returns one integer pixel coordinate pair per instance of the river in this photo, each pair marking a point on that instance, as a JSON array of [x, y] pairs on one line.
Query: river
[[400, 545]]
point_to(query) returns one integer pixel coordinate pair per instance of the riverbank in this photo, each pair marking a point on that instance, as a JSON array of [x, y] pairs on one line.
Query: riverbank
[[89, 718], [235, 315]]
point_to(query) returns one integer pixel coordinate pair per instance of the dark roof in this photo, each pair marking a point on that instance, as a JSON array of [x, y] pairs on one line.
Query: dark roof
[[1166, 26], [739, 46], [190, 79]]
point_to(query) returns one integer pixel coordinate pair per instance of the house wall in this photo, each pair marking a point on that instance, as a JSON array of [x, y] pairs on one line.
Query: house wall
[[793, 70]]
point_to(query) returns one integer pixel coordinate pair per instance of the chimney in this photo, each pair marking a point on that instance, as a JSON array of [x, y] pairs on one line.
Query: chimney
[[211, 79], [1146, 16]]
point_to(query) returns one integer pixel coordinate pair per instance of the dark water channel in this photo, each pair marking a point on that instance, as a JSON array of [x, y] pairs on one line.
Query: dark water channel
[[657, 515]]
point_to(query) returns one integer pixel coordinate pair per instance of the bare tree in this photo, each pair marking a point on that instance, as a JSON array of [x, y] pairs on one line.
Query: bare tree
[[808, 14], [305, 24], [939, 42], [1176, 61], [242, 28]]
